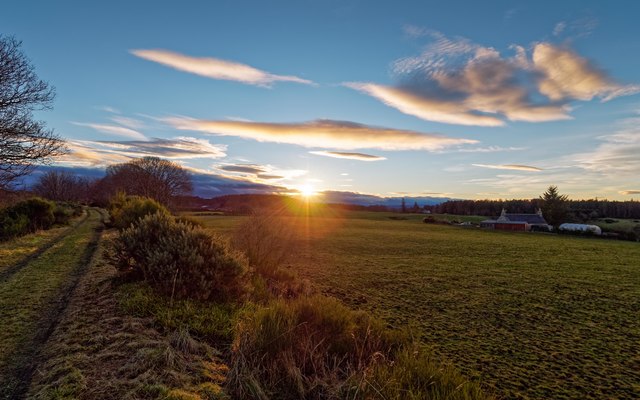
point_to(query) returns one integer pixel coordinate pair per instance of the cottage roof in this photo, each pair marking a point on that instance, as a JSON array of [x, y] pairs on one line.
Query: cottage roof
[[528, 218]]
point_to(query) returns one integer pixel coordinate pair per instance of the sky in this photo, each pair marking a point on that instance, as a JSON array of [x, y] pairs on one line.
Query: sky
[[459, 99]]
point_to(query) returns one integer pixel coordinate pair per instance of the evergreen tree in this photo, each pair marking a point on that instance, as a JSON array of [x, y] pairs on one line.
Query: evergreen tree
[[554, 206]]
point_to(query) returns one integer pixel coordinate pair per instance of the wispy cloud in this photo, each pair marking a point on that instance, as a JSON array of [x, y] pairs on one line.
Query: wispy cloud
[[509, 167], [258, 172], [347, 155], [629, 192], [216, 68], [576, 28], [457, 81], [113, 130], [103, 153], [559, 28], [84, 155], [181, 147], [343, 135], [618, 153], [128, 122], [566, 75], [244, 168], [488, 149], [108, 109]]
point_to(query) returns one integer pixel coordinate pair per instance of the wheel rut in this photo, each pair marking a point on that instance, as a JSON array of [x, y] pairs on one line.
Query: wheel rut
[[26, 359]]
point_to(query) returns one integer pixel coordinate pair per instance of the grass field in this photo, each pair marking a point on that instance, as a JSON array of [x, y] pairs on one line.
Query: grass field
[[532, 316]]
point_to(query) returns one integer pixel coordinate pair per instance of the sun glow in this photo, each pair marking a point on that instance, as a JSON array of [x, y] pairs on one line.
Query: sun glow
[[307, 190]]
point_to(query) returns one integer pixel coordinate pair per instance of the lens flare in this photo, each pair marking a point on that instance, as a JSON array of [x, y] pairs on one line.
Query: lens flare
[[307, 190]]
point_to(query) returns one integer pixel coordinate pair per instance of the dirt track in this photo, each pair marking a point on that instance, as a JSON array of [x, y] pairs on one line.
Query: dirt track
[[33, 295]]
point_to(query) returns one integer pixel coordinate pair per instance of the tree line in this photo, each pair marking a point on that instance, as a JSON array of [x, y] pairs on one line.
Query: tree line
[[152, 177], [577, 210]]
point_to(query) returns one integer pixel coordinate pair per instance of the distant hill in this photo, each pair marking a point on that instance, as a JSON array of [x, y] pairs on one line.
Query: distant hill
[[371, 200], [211, 190]]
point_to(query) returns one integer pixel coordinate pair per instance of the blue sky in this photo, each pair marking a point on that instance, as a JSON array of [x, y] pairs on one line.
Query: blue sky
[[463, 99]]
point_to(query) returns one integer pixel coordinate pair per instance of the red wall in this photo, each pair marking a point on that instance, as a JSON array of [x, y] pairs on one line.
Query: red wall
[[511, 227]]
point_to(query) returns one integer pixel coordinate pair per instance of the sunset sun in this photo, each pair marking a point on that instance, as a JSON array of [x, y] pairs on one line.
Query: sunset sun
[[307, 190]]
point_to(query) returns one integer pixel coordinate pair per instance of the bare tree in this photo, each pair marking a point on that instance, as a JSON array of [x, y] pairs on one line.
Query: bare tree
[[63, 186], [153, 177], [24, 142]]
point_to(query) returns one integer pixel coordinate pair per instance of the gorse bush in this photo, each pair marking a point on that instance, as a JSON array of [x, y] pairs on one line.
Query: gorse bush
[[12, 224], [64, 211], [126, 210], [310, 347], [39, 212], [25, 217], [182, 260]]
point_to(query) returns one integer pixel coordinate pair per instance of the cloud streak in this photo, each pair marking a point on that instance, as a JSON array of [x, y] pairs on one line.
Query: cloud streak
[[629, 192], [341, 135], [515, 167], [216, 68], [348, 155], [244, 168], [456, 81], [258, 173], [102, 153], [113, 130]]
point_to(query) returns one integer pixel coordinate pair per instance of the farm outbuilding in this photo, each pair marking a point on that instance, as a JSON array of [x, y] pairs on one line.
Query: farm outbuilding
[[593, 229], [517, 222]]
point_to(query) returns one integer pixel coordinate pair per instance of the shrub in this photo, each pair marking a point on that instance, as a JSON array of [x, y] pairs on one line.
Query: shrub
[[25, 217], [126, 210], [64, 211], [12, 225], [38, 211], [190, 221], [181, 260], [308, 348]]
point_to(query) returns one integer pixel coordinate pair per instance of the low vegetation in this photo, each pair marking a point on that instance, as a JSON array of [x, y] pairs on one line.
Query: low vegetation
[[316, 348], [34, 214], [126, 210], [25, 217], [181, 260], [209, 321]]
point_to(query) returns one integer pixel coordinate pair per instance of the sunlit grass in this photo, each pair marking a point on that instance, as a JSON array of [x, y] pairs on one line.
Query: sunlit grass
[[13, 251]]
